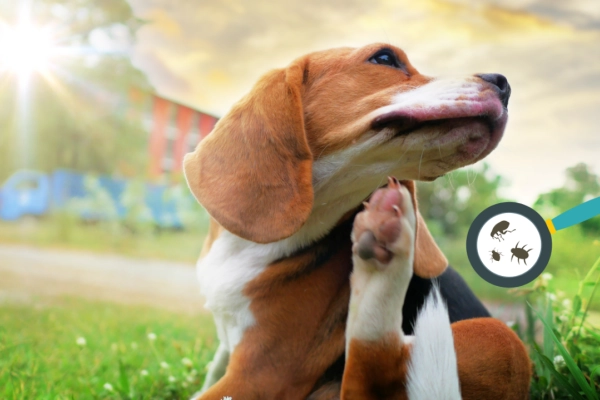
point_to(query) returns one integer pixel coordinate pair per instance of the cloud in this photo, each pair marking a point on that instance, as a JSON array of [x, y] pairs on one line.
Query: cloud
[[159, 74], [208, 54], [582, 14]]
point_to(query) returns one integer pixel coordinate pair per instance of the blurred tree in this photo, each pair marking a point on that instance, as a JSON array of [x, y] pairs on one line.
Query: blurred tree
[[451, 203], [580, 185], [76, 114]]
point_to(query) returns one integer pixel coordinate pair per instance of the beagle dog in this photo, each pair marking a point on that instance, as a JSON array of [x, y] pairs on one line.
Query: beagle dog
[[317, 296]]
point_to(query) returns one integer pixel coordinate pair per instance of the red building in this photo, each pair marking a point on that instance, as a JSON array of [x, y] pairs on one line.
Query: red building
[[175, 129]]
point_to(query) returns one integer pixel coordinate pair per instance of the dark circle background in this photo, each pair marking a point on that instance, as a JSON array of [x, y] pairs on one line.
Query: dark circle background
[[540, 225]]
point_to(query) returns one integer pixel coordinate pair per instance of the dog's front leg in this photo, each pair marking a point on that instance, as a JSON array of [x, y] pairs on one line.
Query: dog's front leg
[[217, 367], [377, 351]]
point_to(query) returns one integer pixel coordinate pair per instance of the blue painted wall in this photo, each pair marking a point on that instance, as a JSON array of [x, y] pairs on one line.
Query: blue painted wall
[[35, 193]]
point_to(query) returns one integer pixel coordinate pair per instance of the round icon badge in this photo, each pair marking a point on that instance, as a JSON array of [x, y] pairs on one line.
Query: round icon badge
[[509, 244]]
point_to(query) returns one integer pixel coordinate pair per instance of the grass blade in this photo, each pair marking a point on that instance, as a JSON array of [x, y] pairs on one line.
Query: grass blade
[[125, 389], [548, 343], [587, 307], [558, 377], [530, 324], [571, 365]]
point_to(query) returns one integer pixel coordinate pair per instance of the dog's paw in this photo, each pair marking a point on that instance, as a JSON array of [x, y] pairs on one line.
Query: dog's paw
[[386, 227], [383, 248]]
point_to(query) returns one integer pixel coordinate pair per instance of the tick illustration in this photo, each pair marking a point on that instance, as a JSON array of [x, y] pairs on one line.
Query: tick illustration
[[495, 255], [520, 253], [500, 229]]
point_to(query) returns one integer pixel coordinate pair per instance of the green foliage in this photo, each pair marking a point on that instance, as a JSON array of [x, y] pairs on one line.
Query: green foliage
[[98, 206], [138, 216], [74, 349], [580, 185], [567, 361], [451, 203], [193, 216], [136, 219], [573, 250], [76, 116]]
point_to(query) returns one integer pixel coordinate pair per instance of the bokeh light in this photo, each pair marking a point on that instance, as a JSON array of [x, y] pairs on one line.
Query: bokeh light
[[26, 48]]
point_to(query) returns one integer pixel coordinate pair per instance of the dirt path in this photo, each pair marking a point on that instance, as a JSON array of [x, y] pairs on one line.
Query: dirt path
[[27, 272]]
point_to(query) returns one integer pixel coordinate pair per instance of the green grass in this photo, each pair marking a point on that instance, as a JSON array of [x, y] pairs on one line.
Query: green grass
[[61, 232], [566, 359], [40, 357]]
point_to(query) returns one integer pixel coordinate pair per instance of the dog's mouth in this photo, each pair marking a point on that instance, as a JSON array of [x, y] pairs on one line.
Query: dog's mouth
[[405, 124], [474, 136]]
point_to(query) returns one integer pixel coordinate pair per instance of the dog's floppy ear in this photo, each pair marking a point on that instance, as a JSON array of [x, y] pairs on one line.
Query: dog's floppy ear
[[253, 173], [429, 259]]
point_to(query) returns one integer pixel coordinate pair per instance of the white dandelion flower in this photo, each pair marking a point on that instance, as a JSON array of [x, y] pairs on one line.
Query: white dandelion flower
[[172, 379], [81, 342], [187, 362], [164, 365], [559, 362], [563, 318], [547, 276], [108, 387], [144, 372], [152, 336]]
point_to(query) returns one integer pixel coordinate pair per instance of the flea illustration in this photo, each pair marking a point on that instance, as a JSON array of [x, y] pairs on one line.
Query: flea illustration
[[500, 229], [495, 255], [520, 253]]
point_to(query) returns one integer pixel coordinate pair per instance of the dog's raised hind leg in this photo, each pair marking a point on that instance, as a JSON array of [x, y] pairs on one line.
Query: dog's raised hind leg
[[378, 353]]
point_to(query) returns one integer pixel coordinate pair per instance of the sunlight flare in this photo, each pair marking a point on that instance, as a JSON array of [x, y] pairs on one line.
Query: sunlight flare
[[25, 49]]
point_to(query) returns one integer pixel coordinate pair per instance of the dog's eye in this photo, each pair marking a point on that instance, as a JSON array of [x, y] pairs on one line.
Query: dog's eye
[[385, 57]]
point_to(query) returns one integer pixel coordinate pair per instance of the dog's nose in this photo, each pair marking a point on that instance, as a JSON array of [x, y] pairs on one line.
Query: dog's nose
[[501, 84]]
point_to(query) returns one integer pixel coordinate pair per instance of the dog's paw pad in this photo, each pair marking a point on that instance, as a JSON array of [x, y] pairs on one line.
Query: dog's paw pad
[[367, 248], [380, 224]]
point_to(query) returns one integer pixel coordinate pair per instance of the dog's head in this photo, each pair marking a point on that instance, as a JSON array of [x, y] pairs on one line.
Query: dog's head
[[312, 140]]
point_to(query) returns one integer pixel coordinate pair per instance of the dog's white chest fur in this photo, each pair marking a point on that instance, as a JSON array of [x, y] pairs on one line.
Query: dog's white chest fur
[[223, 273]]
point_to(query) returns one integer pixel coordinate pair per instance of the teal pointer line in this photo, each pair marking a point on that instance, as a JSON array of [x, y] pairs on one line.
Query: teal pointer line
[[577, 214]]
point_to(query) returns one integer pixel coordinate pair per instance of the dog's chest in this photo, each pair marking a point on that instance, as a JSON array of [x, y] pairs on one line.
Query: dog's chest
[[223, 273]]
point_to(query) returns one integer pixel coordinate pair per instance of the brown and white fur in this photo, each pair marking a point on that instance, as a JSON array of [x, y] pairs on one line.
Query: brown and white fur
[[283, 175]]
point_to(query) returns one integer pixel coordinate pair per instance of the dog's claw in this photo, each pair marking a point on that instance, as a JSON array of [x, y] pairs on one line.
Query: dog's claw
[[366, 205], [393, 182]]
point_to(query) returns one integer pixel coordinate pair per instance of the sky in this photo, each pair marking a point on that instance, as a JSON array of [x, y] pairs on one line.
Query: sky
[[208, 54]]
